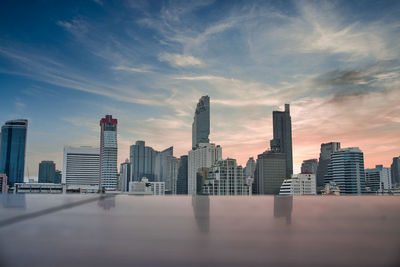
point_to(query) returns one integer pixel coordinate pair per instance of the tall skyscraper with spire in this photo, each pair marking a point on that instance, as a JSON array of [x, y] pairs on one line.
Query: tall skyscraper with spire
[[201, 122], [282, 141], [13, 148], [203, 154], [108, 153]]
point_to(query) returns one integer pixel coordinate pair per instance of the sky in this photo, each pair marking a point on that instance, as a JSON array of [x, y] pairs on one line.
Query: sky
[[66, 64]]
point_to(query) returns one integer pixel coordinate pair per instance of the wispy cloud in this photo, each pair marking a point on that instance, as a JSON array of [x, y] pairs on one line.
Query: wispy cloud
[[179, 60], [132, 69], [39, 68]]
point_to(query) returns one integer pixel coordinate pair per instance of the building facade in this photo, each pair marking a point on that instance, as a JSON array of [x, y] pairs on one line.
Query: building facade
[[201, 122], [3, 183], [250, 168], [182, 179], [282, 142], [47, 172], [378, 179], [38, 188], [310, 165], [12, 150], [124, 176], [160, 169], [225, 177], [145, 187], [58, 177], [203, 156], [324, 160], [270, 172], [81, 166], [395, 170], [346, 169], [172, 175], [299, 184], [108, 153], [143, 161]]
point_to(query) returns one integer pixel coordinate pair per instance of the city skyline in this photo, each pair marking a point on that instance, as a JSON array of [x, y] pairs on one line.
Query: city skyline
[[336, 64]]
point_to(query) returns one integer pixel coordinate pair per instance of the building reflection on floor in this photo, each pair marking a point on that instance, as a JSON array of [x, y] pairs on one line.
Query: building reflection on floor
[[283, 206]]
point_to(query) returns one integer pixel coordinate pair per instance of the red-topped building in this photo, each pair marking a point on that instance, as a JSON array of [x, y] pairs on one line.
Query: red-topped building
[[108, 153]]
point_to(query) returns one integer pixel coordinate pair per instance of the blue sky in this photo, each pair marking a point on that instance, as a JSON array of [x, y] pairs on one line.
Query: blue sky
[[65, 64]]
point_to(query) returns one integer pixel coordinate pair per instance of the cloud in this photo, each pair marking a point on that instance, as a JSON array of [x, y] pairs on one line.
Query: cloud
[[77, 26], [359, 81], [179, 60], [132, 69], [42, 69]]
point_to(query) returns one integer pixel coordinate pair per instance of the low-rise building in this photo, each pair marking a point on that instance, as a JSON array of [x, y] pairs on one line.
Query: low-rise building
[[378, 179], [40, 188], [144, 187], [331, 188], [299, 184]]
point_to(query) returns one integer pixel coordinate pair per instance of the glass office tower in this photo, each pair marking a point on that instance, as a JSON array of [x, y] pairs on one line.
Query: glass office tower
[[282, 141], [47, 172], [346, 169], [201, 122], [12, 150]]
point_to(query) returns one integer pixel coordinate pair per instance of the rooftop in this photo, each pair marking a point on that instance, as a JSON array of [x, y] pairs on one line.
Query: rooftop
[[113, 230]]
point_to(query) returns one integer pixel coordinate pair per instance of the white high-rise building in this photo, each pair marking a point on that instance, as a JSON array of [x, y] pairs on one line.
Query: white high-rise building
[[299, 184], [81, 166], [378, 179], [108, 153], [203, 156]]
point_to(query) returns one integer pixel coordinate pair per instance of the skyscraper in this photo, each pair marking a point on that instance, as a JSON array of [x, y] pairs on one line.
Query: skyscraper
[[81, 166], [47, 172], [201, 122], [143, 161], [395, 168], [124, 176], [204, 156], [108, 153], [282, 141], [309, 166], [13, 147], [166, 169], [172, 175], [250, 168], [270, 173], [324, 160], [160, 169], [346, 169], [182, 180]]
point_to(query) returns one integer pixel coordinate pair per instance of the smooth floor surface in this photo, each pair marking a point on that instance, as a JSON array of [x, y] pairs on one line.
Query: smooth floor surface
[[126, 230]]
